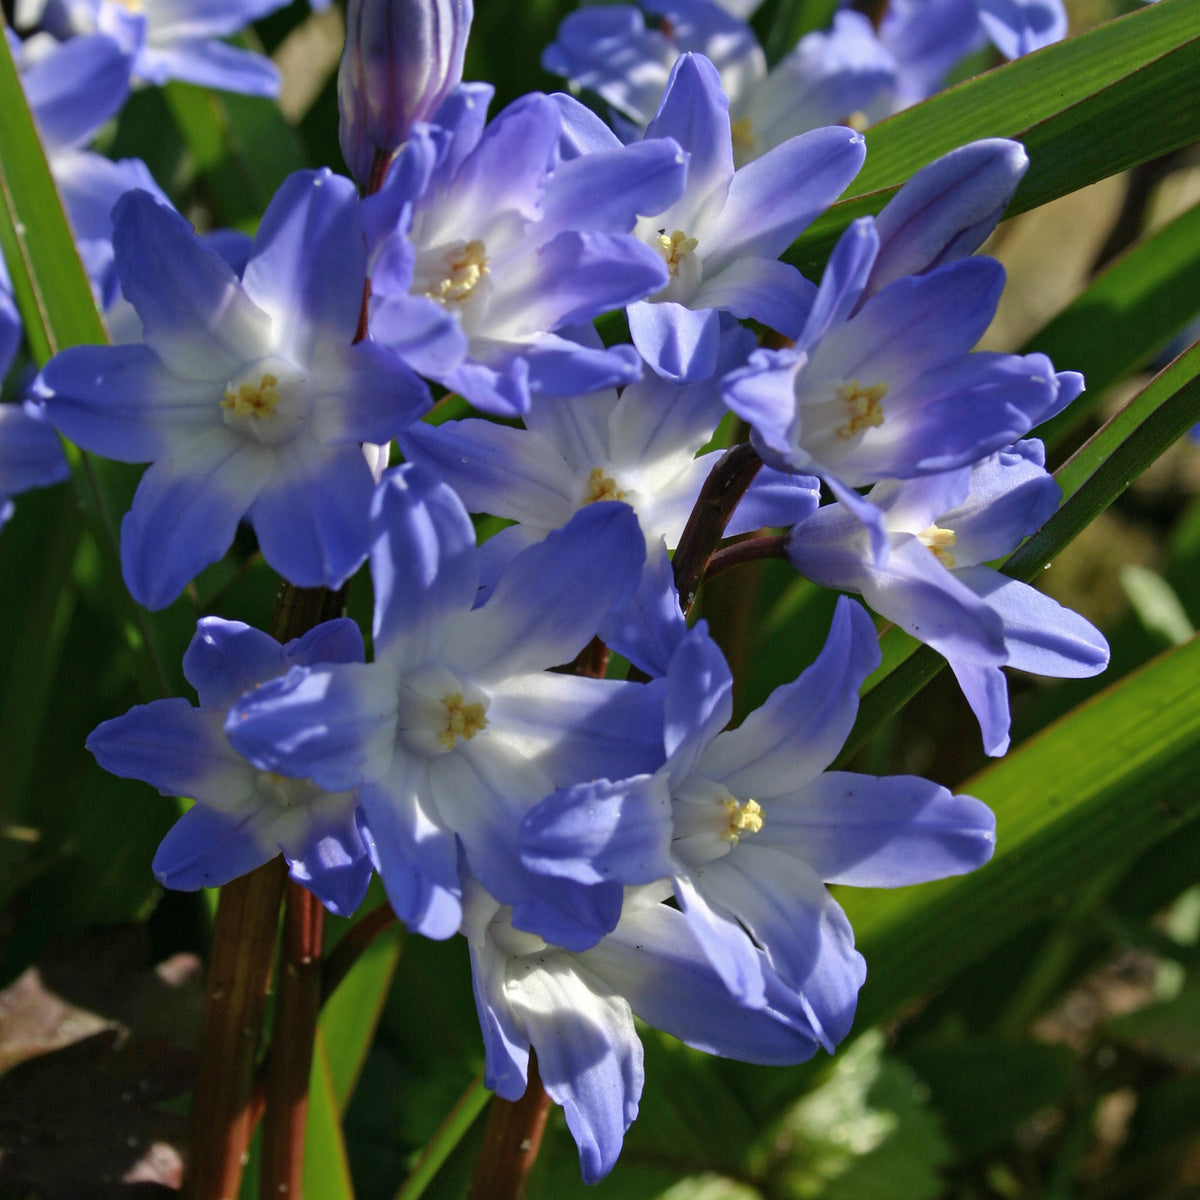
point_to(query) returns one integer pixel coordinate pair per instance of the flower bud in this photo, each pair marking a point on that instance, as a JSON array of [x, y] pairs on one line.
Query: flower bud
[[402, 58]]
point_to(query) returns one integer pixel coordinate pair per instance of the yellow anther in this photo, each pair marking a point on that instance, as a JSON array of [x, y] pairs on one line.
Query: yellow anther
[[743, 818], [673, 247], [863, 405], [253, 399], [462, 720], [858, 121], [745, 140], [601, 487], [939, 540], [466, 265]]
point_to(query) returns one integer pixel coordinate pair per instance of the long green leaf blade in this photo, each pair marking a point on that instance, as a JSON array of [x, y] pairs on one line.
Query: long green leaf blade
[[1091, 793]]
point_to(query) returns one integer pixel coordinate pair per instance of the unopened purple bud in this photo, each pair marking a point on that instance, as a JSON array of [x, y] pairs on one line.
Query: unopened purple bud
[[402, 59]]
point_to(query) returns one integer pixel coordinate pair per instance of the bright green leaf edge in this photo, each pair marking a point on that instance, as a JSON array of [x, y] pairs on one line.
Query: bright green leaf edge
[[1091, 480], [1085, 108], [48, 278], [1093, 791]]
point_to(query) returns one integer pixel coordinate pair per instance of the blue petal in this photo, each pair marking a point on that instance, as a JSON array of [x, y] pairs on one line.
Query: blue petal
[[197, 317], [986, 691], [553, 595], [654, 960], [207, 849], [649, 628], [309, 263], [30, 452], [418, 860], [773, 199], [947, 209], [1018, 27], [175, 748], [209, 63], [762, 289], [677, 343], [699, 700], [1040, 635], [423, 563], [865, 831], [798, 731], [595, 833], [226, 659], [75, 88], [121, 402], [312, 518], [843, 282], [185, 512], [800, 927], [334, 724]]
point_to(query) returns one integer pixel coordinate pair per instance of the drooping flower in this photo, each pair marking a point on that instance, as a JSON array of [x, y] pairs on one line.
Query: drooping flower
[[932, 582], [749, 826], [243, 817], [576, 1012], [457, 728], [247, 397]]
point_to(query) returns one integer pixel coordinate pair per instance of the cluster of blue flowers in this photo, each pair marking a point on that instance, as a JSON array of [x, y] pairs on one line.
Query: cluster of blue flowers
[[607, 847]]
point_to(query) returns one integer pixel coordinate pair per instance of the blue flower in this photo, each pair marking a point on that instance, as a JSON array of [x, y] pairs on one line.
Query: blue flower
[[749, 826], [243, 817], [722, 238], [458, 728], [576, 1011], [493, 247], [247, 397], [169, 39], [939, 531]]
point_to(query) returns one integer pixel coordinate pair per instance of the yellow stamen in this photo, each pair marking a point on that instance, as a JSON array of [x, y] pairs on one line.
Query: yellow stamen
[[466, 265], [253, 399], [857, 120], [463, 720], [743, 818], [601, 487], [938, 539], [673, 247], [863, 404]]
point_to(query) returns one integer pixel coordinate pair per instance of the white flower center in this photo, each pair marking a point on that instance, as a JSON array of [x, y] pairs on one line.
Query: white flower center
[[709, 821], [601, 486], [268, 401], [862, 407], [437, 710], [451, 274]]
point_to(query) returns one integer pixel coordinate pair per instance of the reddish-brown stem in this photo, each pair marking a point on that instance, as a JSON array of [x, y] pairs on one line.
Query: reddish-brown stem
[[349, 950], [225, 1104], [290, 1059], [774, 546], [724, 487], [239, 976], [511, 1141]]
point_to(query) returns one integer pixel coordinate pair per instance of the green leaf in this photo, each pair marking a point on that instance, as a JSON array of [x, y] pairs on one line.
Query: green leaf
[[1088, 795], [326, 1168], [49, 282], [350, 1016], [1085, 108]]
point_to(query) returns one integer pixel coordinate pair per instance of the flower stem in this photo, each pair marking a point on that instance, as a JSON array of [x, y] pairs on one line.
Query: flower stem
[[722, 490], [290, 1059], [239, 976], [511, 1141], [773, 546], [349, 950]]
